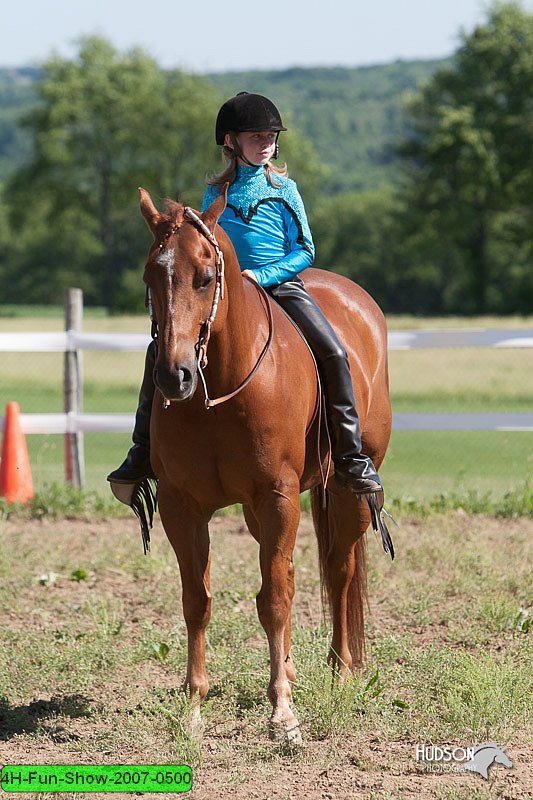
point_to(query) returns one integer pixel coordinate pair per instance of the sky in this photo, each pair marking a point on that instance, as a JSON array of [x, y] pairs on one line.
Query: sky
[[204, 36]]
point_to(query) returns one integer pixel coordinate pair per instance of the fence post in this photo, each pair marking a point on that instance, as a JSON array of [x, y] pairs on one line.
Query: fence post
[[72, 390]]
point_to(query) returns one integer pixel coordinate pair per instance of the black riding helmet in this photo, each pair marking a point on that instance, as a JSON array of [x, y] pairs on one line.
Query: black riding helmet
[[247, 112]]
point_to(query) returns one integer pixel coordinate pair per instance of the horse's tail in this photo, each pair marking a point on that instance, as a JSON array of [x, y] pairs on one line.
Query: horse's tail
[[357, 597]]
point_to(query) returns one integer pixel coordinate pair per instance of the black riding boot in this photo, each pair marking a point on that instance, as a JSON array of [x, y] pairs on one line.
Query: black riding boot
[[136, 465], [353, 469]]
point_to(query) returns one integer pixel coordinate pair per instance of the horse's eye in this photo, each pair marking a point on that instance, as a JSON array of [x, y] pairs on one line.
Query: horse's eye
[[206, 280]]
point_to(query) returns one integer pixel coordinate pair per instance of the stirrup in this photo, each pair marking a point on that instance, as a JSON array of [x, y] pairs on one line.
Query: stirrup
[[347, 480], [123, 491]]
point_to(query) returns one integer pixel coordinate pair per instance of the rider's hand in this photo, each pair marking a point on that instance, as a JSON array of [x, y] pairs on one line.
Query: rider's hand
[[249, 273]]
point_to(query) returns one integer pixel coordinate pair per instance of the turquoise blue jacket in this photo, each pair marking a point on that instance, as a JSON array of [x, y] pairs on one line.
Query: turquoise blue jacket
[[266, 224]]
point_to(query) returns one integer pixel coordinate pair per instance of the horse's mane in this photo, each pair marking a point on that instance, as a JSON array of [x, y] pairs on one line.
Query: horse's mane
[[173, 212]]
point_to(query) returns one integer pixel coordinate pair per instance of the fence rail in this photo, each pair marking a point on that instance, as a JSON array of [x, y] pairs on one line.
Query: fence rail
[[123, 423], [68, 341]]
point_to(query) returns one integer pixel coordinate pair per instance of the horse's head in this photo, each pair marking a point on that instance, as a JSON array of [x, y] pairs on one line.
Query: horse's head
[[502, 758], [181, 275]]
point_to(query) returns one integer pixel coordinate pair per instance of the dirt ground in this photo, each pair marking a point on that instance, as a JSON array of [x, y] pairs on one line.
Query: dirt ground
[[351, 767], [361, 771]]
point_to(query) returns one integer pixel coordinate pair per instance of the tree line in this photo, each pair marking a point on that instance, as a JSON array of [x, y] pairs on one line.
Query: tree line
[[448, 231]]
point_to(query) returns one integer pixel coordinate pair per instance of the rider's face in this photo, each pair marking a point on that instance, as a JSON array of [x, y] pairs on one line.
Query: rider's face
[[257, 146]]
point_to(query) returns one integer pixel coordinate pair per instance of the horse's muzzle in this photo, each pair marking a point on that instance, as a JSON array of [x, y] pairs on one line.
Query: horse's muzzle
[[176, 382]]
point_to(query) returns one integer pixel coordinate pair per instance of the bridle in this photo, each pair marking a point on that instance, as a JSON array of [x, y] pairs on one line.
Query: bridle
[[205, 328]]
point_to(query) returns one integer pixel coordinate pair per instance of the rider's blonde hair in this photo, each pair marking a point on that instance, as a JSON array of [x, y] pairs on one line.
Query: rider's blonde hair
[[228, 174]]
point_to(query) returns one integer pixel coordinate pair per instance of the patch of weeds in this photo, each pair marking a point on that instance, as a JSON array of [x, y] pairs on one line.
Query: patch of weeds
[[479, 695], [239, 686], [160, 650], [326, 707], [107, 624], [180, 720], [236, 778], [57, 500], [141, 567], [389, 650], [463, 793], [230, 630], [523, 621], [515, 503], [250, 698], [67, 658], [497, 614], [420, 607], [168, 647], [78, 575], [471, 574]]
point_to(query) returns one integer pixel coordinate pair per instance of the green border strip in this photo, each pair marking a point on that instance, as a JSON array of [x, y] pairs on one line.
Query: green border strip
[[91, 778]]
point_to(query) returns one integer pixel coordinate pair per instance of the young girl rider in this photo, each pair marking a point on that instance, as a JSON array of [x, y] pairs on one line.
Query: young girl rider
[[266, 222]]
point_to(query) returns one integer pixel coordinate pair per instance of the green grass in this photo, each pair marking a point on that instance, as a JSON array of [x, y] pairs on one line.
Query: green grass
[[13, 311], [103, 452], [462, 401], [469, 379], [422, 464]]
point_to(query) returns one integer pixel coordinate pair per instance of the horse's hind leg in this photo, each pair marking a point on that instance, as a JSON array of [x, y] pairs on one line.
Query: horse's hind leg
[[255, 529], [342, 552], [189, 538], [278, 515]]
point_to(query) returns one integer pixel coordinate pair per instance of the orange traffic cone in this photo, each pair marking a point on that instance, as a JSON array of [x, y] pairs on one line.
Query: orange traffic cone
[[16, 483]]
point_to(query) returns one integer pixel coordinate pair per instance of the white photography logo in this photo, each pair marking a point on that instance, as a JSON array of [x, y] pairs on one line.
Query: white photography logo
[[478, 758]]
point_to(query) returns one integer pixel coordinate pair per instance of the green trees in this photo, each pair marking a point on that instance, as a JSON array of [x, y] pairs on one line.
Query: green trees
[[470, 181], [454, 235], [447, 232], [105, 124]]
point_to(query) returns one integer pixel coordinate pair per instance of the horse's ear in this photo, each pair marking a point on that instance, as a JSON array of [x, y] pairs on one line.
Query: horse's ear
[[212, 214], [148, 210]]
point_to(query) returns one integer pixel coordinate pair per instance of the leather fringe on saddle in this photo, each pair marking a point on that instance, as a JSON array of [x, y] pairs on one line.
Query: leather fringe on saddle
[[378, 522], [144, 504]]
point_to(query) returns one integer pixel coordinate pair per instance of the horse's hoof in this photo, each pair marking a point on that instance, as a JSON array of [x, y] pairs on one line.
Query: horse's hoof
[[294, 735], [194, 724], [286, 732], [194, 729]]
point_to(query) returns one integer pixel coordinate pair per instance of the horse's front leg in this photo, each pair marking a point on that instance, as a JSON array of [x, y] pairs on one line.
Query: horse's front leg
[[255, 529], [278, 515], [189, 538]]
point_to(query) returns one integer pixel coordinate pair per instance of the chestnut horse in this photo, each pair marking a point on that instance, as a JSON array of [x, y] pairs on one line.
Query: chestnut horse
[[259, 447]]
